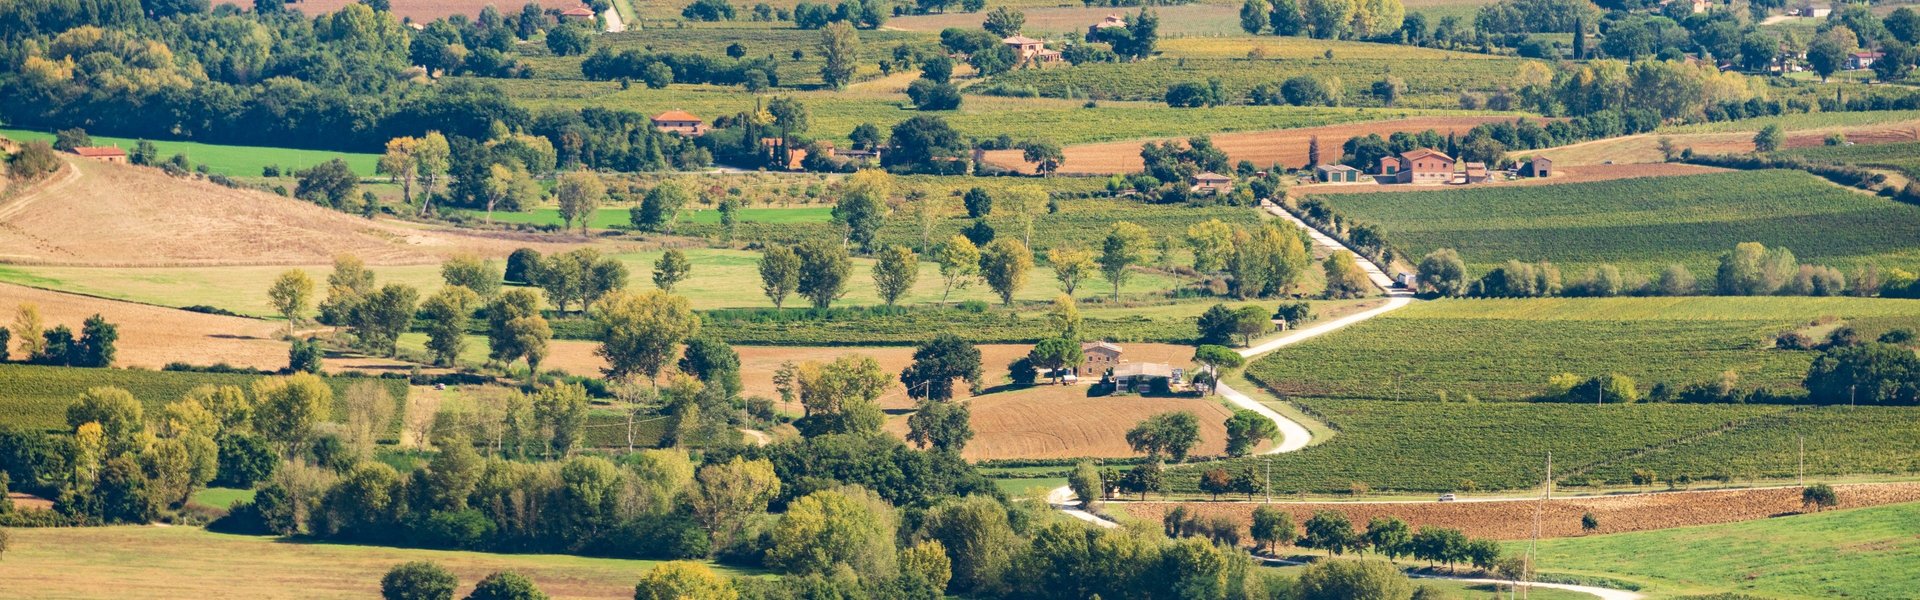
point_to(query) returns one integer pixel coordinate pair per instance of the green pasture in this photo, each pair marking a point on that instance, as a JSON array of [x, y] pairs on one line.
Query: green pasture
[[232, 161], [221, 497], [1642, 225], [1858, 553], [1507, 349]]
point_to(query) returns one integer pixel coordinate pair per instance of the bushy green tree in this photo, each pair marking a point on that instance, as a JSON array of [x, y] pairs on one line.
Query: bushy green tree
[[418, 580]]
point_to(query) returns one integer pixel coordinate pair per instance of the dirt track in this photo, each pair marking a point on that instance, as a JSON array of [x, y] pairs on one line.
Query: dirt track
[[1287, 147], [138, 216], [1509, 520]]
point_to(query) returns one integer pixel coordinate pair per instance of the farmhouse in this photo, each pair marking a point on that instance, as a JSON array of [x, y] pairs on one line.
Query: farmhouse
[[1100, 356], [1422, 165], [578, 13], [775, 147], [106, 154], [1863, 60], [1144, 377], [1110, 22], [1211, 183], [1336, 174], [680, 122], [861, 154], [1031, 51], [1538, 166]]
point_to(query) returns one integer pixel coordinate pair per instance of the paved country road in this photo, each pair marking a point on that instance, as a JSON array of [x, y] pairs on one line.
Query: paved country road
[[1293, 435]]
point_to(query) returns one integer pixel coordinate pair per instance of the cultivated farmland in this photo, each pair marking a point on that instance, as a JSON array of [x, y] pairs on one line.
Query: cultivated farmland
[[1863, 553], [1642, 225], [1902, 157], [1284, 147], [1507, 349], [37, 397]]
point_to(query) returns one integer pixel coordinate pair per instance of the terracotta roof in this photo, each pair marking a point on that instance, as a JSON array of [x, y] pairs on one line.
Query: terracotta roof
[[1022, 40], [577, 12], [1211, 176], [1419, 153], [676, 115], [1869, 54], [97, 151]]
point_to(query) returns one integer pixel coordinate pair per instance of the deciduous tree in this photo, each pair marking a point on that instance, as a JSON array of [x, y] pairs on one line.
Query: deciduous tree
[[640, 332], [671, 269], [779, 273], [959, 262], [1125, 246], [1005, 265], [894, 272]]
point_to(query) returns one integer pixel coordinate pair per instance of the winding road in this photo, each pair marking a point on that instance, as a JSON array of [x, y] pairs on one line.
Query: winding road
[[1293, 435]]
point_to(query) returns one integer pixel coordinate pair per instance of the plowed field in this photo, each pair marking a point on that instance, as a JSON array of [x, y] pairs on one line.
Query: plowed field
[[1559, 517]]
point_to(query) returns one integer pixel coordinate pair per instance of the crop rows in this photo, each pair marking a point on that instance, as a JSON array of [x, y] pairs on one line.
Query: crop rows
[[1431, 82], [1839, 440], [1080, 222], [1429, 447], [36, 397], [1645, 224], [1414, 358], [1904, 157]]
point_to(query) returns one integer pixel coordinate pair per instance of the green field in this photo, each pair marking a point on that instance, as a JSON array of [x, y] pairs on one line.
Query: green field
[[1902, 157], [221, 497], [760, 40], [1434, 78], [1643, 225], [232, 161], [835, 114], [36, 397], [1860, 553], [611, 218], [1081, 223], [1839, 440], [190, 562], [1507, 349], [1431, 447], [720, 279], [1798, 121]]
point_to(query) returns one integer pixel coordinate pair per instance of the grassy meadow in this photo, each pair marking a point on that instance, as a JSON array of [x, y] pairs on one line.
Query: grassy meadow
[[232, 161], [189, 562], [1507, 349], [1643, 225], [1858, 553]]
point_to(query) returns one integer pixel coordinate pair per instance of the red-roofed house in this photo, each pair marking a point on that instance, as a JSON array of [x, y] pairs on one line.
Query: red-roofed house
[[680, 122], [1211, 183], [577, 13], [1031, 51], [1110, 22], [1421, 165], [1863, 60], [106, 154]]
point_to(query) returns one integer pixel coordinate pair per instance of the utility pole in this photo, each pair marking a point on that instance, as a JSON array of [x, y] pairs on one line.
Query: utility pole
[[1800, 473], [1269, 486]]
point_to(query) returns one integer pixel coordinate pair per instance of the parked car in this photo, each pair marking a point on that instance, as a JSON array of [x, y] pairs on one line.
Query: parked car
[[1448, 498]]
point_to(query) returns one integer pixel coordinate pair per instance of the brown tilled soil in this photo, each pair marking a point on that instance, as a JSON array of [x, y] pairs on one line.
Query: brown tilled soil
[[1062, 421], [1560, 517], [138, 216], [152, 336], [1287, 147], [1040, 422], [1645, 148], [424, 11], [1574, 174]]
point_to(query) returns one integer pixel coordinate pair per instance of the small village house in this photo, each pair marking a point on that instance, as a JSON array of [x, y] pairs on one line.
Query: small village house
[[1031, 52], [1336, 174], [1421, 165], [1211, 183], [1140, 378], [1110, 22], [680, 122], [1100, 356], [1538, 166], [105, 154], [577, 13], [1863, 60]]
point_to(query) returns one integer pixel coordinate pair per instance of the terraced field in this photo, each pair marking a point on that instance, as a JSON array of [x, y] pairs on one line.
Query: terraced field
[[1642, 225]]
